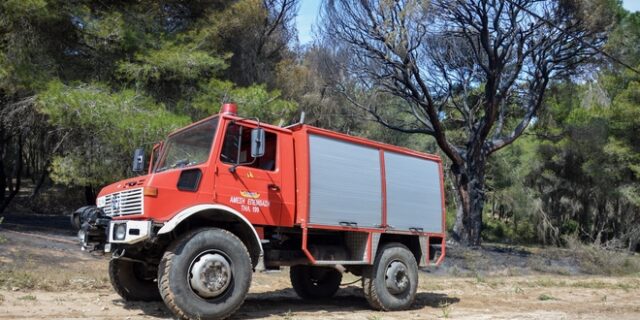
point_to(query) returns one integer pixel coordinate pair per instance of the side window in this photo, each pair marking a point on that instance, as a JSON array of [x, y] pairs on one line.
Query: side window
[[236, 148]]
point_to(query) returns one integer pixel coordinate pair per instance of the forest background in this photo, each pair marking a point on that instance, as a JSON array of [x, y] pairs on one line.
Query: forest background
[[83, 83]]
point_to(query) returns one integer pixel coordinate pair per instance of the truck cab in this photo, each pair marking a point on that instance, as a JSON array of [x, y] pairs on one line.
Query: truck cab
[[226, 196]]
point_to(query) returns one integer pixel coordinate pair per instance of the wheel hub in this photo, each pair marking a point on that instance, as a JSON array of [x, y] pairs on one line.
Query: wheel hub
[[210, 275], [396, 278]]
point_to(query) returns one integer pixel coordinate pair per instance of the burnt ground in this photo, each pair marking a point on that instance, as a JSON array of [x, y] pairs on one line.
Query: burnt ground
[[44, 275], [47, 223]]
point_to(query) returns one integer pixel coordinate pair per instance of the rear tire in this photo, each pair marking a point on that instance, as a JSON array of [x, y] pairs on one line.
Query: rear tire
[[311, 282], [392, 282], [205, 275], [132, 282]]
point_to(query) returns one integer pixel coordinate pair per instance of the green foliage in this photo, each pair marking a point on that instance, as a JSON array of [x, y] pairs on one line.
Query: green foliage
[[246, 29], [511, 207], [569, 227], [577, 175], [254, 101], [25, 7], [623, 41], [171, 63], [592, 165], [105, 126], [546, 297], [110, 77], [496, 230]]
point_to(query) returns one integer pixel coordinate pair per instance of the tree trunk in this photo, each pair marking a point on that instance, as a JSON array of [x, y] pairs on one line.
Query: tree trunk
[[3, 175], [18, 175], [43, 177], [469, 198], [90, 195]]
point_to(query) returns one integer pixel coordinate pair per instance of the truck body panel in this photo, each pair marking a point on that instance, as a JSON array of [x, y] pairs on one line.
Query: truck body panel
[[381, 187], [413, 190], [345, 183]]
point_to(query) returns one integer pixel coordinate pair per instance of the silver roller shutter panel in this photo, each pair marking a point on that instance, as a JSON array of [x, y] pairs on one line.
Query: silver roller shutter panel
[[413, 193], [345, 183]]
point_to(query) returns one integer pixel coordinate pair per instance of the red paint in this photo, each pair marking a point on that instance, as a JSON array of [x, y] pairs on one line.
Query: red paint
[[288, 204], [229, 108], [260, 232], [370, 247], [383, 176], [305, 236]]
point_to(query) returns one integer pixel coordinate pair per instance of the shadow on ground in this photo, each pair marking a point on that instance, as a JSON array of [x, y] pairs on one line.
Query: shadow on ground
[[284, 302]]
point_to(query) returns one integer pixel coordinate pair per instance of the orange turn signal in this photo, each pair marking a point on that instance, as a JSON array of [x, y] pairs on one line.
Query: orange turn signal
[[150, 191]]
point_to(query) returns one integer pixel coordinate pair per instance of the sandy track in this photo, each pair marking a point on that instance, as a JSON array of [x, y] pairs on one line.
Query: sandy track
[[44, 276], [270, 298]]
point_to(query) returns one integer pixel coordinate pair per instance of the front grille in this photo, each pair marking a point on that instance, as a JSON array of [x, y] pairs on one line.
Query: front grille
[[123, 203]]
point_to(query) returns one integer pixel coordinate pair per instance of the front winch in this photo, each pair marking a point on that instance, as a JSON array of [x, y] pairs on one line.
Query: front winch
[[94, 224]]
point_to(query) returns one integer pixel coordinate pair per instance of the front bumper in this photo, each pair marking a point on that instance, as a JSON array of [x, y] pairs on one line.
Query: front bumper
[[98, 232], [128, 231]]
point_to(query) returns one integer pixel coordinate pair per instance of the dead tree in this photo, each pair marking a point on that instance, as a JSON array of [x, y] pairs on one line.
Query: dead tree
[[476, 68]]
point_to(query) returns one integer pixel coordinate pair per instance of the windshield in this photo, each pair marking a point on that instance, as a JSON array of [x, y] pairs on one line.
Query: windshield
[[188, 147]]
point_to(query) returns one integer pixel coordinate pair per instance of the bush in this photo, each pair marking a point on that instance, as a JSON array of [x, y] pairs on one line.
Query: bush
[[569, 227], [596, 260], [496, 230]]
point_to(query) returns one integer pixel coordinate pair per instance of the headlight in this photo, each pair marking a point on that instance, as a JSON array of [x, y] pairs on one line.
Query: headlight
[[119, 231], [101, 202]]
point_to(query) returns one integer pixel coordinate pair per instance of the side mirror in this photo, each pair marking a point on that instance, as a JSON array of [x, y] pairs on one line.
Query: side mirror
[[138, 160], [257, 143]]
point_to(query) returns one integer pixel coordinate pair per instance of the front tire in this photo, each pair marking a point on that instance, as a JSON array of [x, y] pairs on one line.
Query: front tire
[[311, 282], [205, 275], [132, 281], [392, 282]]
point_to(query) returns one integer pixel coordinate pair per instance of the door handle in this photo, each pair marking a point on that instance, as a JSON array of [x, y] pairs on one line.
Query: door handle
[[273, 187], [348, 224]]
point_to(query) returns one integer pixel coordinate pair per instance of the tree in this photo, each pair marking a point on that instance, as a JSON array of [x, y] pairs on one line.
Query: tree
[[257, 33], [473, 73], [587, 171], [82, 83]]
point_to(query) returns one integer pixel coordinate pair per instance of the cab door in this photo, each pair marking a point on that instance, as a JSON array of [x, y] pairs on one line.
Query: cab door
[[250, 185]]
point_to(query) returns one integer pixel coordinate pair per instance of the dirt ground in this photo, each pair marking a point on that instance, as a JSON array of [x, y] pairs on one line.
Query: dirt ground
[[43, 275]]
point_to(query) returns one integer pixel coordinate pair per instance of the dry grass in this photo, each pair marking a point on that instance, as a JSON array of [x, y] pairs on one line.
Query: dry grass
[[3, 240], [445, 309], [546, 297], [625, 284], [596, 260], [28, 297], [49, 279], [23, 266]]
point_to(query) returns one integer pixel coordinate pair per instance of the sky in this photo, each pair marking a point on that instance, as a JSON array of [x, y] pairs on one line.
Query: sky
[[309, 9], [631, 5], [308, 15]]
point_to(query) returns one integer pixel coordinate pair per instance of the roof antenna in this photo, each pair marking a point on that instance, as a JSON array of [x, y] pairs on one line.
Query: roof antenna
[[301, 121]]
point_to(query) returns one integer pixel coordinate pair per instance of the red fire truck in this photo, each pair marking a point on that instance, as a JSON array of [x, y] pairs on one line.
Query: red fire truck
[[227, 196]]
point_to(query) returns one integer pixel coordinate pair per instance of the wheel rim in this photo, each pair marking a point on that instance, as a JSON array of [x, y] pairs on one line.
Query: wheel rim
[[396, 277], [210, 274]]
